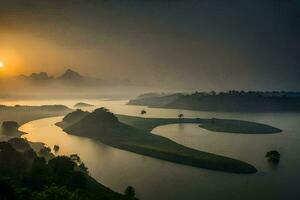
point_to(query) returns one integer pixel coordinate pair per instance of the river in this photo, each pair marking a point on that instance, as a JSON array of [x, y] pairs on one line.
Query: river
[[156, 179]]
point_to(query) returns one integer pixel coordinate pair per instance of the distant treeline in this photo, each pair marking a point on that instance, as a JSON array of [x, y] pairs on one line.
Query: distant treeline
[[231, 101]]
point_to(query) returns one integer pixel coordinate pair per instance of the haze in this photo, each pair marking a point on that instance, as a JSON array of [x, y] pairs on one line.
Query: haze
[[206, 45]]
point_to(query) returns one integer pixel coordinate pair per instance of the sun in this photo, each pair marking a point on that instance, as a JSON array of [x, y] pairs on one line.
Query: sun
[[1, 64]]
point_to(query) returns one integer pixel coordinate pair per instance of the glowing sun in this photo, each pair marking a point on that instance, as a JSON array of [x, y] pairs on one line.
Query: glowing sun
[[1, 64]]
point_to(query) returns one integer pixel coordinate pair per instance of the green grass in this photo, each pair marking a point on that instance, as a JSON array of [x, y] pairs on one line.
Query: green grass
[[148, 124], [218, 125], [237, 126]]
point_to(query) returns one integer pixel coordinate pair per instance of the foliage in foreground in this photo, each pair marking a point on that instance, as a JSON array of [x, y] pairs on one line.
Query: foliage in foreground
[[25, 176]]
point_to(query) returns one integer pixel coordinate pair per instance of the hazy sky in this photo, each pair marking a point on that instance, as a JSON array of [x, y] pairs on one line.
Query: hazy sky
[[203, 45]]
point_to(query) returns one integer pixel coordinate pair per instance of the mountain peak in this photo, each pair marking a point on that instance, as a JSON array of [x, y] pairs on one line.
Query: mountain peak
[[70, 75]]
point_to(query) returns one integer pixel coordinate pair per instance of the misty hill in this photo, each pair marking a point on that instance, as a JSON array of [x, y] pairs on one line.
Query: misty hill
[[155, 100], [39, 78], [106, 127], [232, 101], [68, 78], [70, 75], [22, 114]]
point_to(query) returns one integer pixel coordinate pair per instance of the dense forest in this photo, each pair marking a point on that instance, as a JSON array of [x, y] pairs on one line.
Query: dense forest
[[232, 101]]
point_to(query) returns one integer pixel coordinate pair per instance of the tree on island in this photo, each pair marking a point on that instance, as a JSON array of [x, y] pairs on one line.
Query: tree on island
[[130, 191], [180, 116], [143, 112], [273, 156]]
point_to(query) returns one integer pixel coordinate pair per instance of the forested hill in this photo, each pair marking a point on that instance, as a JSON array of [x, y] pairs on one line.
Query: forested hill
[[232, 101], [27, 175]]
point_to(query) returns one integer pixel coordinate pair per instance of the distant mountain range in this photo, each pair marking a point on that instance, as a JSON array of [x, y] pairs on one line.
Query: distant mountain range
[[232, 101], [68, 75], [71, 77]]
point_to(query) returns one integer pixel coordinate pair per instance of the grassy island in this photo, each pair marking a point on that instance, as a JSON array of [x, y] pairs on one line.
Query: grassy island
[[218, 125], [237, 126], [133, 134]]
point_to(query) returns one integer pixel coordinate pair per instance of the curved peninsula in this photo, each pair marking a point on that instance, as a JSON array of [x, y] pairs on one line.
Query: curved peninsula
[[112, 130], [213, 124]]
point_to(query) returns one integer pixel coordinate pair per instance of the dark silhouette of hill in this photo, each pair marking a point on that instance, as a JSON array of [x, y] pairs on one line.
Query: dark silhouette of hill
[[232, 101], [70, 75], [25, 175], [22, 114]]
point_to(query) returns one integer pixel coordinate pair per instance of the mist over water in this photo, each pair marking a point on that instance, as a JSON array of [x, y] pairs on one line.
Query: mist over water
[[170, 45], [154, 178], [240, 58]]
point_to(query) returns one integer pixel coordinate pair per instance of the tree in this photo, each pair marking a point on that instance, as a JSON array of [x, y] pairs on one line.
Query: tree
[[82, 168], [38, 175], [130, 192], [273, 156], [19, 144], [45, 152], [61, 165], [75, 158], [56, 148], [143, 112], [180, 116]]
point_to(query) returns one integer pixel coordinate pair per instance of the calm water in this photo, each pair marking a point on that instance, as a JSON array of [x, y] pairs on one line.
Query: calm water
[[156, 179]]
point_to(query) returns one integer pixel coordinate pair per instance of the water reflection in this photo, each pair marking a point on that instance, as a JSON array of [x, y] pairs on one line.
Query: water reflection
[[156, 179]]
